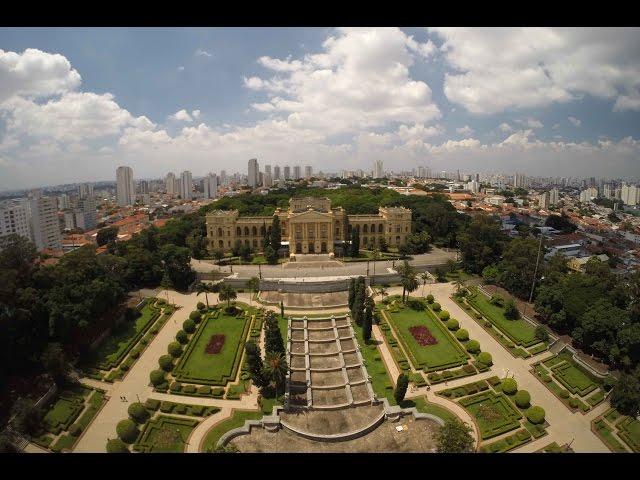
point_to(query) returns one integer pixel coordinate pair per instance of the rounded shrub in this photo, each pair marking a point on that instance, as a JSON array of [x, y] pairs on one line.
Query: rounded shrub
[[485, 357], [535, 415], [204, 390], [115, 445], [195, 315], [452, 324], [509, 386], [200, 306], [157, 377], [138, 413], [564, 394], [473, 346], [75, 430], [175, 387], [488, 324], [127, 431], [444, 315], [189, 326], [436, 307], [573, 402], [522, 398], [174, 349], [182, 337], [430, 298], [462, 335], [166, 362]]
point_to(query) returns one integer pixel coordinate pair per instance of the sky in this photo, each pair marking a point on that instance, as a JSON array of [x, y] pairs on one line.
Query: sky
[[75, 103]]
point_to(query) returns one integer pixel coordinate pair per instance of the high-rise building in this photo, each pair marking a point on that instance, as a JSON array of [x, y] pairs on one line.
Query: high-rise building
[[253, 178], [125, 188], [14, 218], [45, 228], [308, 171], [607, 191], [378, 169], [85, 190], [267, 180], [210, 186], [63, 201], [297, 172], [554, 196], [287, 172], [170, 183], [267, 169], [543, 200], [588, 194], [143, 187], [186, 185], [519, 180], [630, 194], [224, 181], [276, 172]]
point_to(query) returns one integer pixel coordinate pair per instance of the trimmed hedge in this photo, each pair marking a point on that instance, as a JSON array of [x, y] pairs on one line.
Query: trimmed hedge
[[195, 315], [436, 307], [452, 324], [535, 415], [200, 306], [174, 349], [485, 357], [157, 377], [444, 315], [138, 412], [430, 298], [509, 386], [189, 325], [175, 387], [473, 346], [127, 431], [152, 404], [115, 445], [75, 430], [166, 362], [522, 398], [182, 337], [462, 335]]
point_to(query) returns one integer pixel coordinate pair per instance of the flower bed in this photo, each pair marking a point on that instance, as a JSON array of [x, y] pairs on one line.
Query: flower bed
[[422, 335], [215, 344]]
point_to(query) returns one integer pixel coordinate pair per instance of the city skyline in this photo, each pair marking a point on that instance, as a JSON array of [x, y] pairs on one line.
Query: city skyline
[[318, 97]]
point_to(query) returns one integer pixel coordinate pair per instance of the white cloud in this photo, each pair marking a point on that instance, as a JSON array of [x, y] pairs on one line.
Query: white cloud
[[505, 127], [34, 73], [195, 114], [202, 53], [181, 116], [530, 122], [466, 130], [627, 102], [495, 69], [574, 121], [180, 68]]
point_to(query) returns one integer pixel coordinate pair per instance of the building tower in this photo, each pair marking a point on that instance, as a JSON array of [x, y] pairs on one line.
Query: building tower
[[125, 188], [253, 179], [186, 185]]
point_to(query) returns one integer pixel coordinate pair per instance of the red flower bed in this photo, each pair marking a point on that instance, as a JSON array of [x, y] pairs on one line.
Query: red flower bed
[[423, 335], [215, 344]]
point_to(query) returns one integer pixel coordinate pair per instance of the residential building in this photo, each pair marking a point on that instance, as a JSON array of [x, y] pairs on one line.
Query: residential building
[[378, 169], [85, 190], [297, 172], [44, 225], [186, 185], [276, 172], [630, 194], [125, 188], [588, 194], [308, 171], [170, 183], [287, 172], [253, 178], [210, 186], [14, 218]]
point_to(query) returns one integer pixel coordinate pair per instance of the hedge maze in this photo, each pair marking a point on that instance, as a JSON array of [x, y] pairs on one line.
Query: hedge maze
[[165, 434], [618, 432]]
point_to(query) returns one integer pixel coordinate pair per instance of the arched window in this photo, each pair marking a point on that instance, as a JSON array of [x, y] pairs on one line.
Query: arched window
[[350, 228], [364, 240], [246, 242], [380, 228], [373, 228], [269, 230], [246, 231], [358, 228], [221, 243], [254, 231], [219, 232], [397, 228], [365, 229], [262, 230], [255, 243], [238, 231], [398, 240]]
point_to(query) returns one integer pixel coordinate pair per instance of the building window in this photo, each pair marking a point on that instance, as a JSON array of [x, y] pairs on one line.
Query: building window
[[398, 240], [365, 229], [397, 228], [219, 232], [246, 242], [238, 231], [255, 243], [221, 243], [254, 231], [380, 228], [246, 231]]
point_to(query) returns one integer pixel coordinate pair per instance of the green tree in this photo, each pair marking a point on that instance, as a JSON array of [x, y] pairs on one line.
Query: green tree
[[27, 416], [106, 235], [177, 265], [407, 278], [354, 248], [227, 293], [367, 321], [55, 362], [481, 243], [276, 235], [272, 335], [275, 368], [454, 437], [511, 310], [352, 292], [255, 364], [205, 288], [253, 284], [401, 388], [281, 309], [625, 396], [542, 334]]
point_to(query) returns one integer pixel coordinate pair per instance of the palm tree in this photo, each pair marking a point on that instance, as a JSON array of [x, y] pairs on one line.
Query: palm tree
[[254, 285], [276, 369], [424, 277], [382, 291], [202, 287], [459, 284], [227, 293], [408, 278]]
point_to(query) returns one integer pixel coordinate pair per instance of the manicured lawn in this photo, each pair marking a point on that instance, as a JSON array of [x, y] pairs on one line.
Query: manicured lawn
[[494, 413], [629, 431], [62, 414], [572, 378], [605, 434], [283, 325], [197, 366], [165, 434], [445, 353], [519, 331], [380, 379], [424, 406], [236, 420], [113, 349]]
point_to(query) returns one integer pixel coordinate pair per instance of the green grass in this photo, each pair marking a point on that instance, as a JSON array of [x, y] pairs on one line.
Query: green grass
[[444, 354], [61, 415], [380, 379], [519, 331], [604, 432], [236, 420], [573, 379], [596, 398], [424, 406], [165, 434], [629, 431], [493, 412], [508, 443], [115, 347], [66, 441], [612, 415], [197, 366]]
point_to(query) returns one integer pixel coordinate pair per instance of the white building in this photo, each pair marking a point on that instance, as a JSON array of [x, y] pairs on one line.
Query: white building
[[85, 190], [170, 183], [554, 196], [630, 194], [287, 172], [378, 169], [267, 180], [45, 228], [63, 202], [472, 186], [210, 186], [224, 181], [14, 218], [588, 194], [544, 200], [125, 188], [519, 180], [253, 179], [186, 185]]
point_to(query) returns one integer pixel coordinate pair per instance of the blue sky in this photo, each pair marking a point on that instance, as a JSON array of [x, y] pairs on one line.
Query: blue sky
[[77, 102]]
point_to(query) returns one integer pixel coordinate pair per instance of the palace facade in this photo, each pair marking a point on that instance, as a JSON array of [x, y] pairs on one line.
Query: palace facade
[[309, 225]]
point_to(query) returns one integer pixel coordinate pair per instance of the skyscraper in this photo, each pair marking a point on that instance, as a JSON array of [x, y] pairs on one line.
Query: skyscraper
[[143, 186], [210, 186], [223, 178], [43, 213], [186, 185], [170, 183], [267, 169], [630, 194], [267, 179], [287, 172], [378, 169], [519, 180], [253, 179], [125, 188], [297, 172], [85, 190], [276, 172], [308, 171]]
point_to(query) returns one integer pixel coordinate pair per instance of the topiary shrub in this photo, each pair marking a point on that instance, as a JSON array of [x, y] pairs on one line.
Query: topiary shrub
[[436, 307], [573, 402], [204, 390], [522, 398], [174, 349], [157, 377], [200, 306], [452, 324], [175, 387], [75, 430], [462, 335], [189, 326], [182, 337], [189, 389], [430, 298], [138, 412], [509, 386], [485, 357], [535, 415], [488, 324], [115, 445], [473, 346], [166, 362], [444, 315], [195, 315], [127, 431], [564, 394]]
